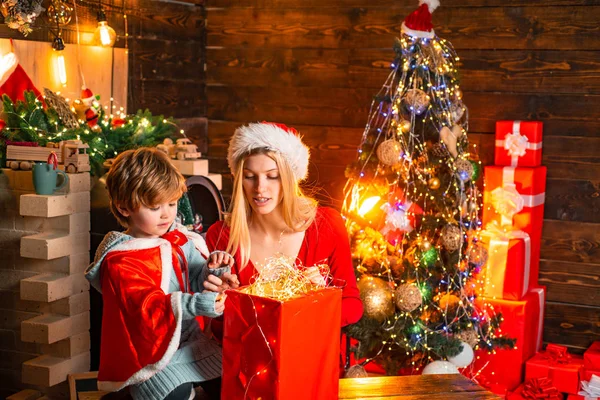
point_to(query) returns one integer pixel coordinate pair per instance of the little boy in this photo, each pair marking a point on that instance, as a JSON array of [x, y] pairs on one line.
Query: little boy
[[152, 278]]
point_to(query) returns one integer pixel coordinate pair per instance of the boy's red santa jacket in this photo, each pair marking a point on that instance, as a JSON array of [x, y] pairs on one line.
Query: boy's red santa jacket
[[141, 321]]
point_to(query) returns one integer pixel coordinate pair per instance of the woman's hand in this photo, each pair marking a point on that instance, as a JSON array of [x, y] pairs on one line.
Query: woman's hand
[[220, 303], [218, 259], [226, 281]]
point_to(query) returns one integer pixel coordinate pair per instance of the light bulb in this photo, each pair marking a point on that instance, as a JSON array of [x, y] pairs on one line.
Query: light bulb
[[61, 69], [104, 35]]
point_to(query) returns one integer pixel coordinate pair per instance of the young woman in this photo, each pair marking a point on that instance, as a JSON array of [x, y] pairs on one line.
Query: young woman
[[270, 215]]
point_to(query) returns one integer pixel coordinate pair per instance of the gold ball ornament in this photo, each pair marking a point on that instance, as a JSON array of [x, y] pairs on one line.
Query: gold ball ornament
[[390, 152], [469, 336], [377, 298], [448, 303], [59, 12], [434, 183], [404, 125], [451, 237], [408, 297], [356, 371]]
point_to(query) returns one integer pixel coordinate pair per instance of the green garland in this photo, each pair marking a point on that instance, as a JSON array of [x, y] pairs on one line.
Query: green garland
[[29, 121]]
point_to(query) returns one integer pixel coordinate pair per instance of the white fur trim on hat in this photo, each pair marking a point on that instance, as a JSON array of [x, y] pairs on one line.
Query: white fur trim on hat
[[419, 34], [265, 135], [431, 4]]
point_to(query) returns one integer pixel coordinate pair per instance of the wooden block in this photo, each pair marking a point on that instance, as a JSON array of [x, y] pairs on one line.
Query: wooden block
[[54, 244], [50, 328], [23, 180], [68, 347], [34, 205], [27, 394], [49, 370], [77, 183], [53, 286], [217, 179], [192, 167], [71, 264]]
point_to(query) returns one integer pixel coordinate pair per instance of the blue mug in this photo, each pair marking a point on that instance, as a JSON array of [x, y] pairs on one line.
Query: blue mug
[[45, 178]]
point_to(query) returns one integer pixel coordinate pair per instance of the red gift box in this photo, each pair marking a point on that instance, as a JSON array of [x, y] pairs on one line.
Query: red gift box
[[507, 272], [586, 374], [282, 349], [591, 357], [519, 143], [575, 397], [559, 366], [514, 198], [535, 389], [523, 321]]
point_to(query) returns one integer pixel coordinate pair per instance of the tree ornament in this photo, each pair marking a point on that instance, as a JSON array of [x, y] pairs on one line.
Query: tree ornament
[[376, 296], [451, 237], [439, 151], [457, 110], [469, 336], [404, 125], [440, 368], [356, 371], [434, 183], [20, 15], [450, 138], [390, 152], [464, 358], [464, 169], [448, 302], [476, 170], [60, 12], [416, 100], [477, 254], [408, 297], [430, 256]]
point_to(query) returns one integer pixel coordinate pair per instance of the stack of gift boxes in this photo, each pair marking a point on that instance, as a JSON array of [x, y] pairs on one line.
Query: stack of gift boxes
[[513, 203]]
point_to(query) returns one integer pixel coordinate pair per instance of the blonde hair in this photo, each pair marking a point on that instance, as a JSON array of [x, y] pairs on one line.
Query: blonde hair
[[142, 177], [298, 209]]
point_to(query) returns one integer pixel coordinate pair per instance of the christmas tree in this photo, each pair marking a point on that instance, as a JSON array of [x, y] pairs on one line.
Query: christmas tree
[[412, 210]]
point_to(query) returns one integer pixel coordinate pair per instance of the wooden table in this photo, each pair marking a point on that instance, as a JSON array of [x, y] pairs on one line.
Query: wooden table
[[417, 387]]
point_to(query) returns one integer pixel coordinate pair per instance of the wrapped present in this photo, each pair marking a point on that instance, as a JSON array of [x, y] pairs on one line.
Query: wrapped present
[[519, 143], [586, 374], [537, 388], [514, 198], [556, 364], [590, 389], [275, 349], [522, 320], [506, 275], [591, 357]]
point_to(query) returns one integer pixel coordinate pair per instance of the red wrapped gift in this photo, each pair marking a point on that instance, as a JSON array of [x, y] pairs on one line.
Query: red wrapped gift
[[575, 397], [276, 349], [514, 198], [538, 388], [591, 357], [507, 272], [586, 374], [558, 365], [519, 143], [522, 320]]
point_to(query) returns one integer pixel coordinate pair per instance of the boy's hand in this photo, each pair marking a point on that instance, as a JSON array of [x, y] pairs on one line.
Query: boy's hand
[[220, 303], [217, 259], [226, 281]]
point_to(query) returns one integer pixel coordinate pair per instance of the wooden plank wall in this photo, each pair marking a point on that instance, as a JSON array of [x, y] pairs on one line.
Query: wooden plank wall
[[315, 65]]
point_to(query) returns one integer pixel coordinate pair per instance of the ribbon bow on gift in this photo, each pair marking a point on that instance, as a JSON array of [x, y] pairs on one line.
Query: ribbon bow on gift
[[540, 388], [507, 201], [557, 354], [591, 390], [516, 144]]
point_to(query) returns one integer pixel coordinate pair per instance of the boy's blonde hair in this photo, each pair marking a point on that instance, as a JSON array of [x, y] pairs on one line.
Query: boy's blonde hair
[[142, 177], [298, 209]]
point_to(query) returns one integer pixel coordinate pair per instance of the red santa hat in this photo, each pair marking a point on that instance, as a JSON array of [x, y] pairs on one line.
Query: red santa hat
[[418, 23], [271, 136], [14, 81]]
